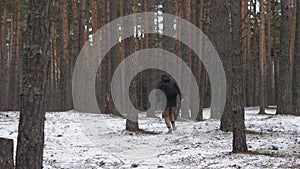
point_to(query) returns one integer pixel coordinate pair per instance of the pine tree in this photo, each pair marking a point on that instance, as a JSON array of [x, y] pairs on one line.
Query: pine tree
[[238, 116], [296, 79], [262, 58], [284, 104], [34, 79], [3, 59]]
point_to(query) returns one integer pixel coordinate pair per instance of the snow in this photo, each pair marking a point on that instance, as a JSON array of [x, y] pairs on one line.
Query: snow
[[82, 140]]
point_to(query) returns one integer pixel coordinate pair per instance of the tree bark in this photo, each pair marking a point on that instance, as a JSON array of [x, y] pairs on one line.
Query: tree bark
[[65, 74], [34, 79], [249, 79], [238, 116], [14, 72], [115, 52], [296, 79], [275, 56], [285, 63], [255, 49], [186, 55], [262, 55], [82, 24], [221, 40], [150, 43], [178, 11], [269, 62], [200, 67], [129, 43], [3, 61], [6, 153]]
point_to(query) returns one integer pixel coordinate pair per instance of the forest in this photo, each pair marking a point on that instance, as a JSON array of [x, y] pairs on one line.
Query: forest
[[42, 41]]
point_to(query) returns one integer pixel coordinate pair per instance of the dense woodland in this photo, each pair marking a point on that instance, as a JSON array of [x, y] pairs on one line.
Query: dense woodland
[[257, 41]]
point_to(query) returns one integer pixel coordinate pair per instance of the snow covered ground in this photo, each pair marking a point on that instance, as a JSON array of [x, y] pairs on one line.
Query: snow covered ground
[[81, 140]]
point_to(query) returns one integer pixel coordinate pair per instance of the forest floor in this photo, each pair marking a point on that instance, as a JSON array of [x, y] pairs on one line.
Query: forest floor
[[82, 140]]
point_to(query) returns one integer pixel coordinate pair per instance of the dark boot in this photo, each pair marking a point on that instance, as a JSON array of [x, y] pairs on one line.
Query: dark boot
[[173, 125], [169, 130]]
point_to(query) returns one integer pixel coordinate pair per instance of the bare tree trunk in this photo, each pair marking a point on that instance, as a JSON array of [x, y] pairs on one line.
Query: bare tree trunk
[[75, 42], [238, 116], [82, 24], [244, 9], [34, 79], [178, 45], [200, 73], [296, 79], [285, 63], [249, 79], [129, 43], [52, 82], [220, 36], [207, 32], [293, 29], [6, 153], [262, 55], [3, 61], [255, 53], [14, 72], [186, 57], [65, 74], [115, 53], [274, 32], [269, 63], [149, 43], [168, 7]]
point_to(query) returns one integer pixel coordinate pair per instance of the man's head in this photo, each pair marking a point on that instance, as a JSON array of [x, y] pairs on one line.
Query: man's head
[[165, 78]]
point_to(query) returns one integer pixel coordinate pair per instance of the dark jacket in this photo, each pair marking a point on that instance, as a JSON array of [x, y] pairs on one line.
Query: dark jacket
[[171, 102]]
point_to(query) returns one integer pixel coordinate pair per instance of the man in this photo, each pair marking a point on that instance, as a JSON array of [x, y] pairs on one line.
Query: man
[[171, 90]]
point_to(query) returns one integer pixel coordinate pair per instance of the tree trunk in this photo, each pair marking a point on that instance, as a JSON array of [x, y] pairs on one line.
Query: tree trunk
[[275, 56], [3, 61], [115, 53], [82, 24], [65, 74], [262, 55], [269, 63], [249, 79], [75, 42], [296, 79], [6, 153], [292, 37], [207, 32], [238, 116], [221, 40], [150, 43], [255, 53], [52, 82], [284, 79], [244, 9], [200, 67], [187, 58], [34, 79], [178, 11], [129, 43], [104, 66], [14, 72], [122, 51]]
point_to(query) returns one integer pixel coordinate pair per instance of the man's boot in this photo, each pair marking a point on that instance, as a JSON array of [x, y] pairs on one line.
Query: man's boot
[[170, 130], [173, 125]]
